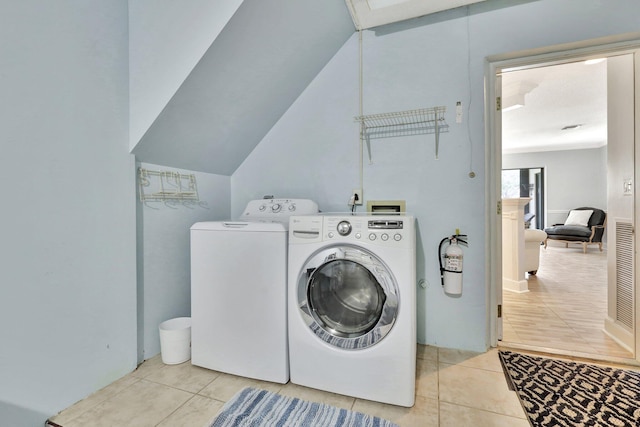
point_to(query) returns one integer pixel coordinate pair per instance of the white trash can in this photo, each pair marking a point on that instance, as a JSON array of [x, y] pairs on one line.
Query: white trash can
[[175, 340]]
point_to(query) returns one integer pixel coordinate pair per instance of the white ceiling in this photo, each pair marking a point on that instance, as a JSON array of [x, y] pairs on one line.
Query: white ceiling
[[559, 96]]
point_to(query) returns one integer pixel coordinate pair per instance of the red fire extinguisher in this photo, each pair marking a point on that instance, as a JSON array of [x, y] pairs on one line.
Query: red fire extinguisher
[[451, 271]]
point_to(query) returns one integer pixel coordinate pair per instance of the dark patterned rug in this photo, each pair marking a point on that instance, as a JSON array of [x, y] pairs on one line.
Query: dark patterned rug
[[564, 393]]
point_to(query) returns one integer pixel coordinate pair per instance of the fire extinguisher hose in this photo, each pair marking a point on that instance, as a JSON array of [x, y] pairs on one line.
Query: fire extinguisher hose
[[440, 259]]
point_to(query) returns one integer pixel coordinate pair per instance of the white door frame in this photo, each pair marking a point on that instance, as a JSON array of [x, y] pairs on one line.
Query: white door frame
[[610, 46]]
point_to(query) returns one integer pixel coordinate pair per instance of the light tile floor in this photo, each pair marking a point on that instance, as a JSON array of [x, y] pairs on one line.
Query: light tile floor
[[454, 388]]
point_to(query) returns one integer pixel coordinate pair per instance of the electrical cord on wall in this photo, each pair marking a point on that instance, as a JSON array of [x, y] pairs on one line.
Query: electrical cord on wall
[[352, 202], [472, 174]]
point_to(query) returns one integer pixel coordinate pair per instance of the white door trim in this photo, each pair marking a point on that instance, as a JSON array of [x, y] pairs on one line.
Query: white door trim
[[552, 55]]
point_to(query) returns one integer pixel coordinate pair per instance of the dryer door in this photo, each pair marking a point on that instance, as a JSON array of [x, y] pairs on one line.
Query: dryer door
[[347, 296]]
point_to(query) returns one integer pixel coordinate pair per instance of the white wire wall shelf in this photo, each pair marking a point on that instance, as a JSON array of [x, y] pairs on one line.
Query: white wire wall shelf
[[403, 123], [167, 186]]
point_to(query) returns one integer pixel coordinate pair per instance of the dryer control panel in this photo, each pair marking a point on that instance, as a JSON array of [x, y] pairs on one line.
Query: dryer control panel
[[392, 230]]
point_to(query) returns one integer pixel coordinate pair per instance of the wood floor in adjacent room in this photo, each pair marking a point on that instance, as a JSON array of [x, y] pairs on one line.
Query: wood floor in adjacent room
[[565, 308]]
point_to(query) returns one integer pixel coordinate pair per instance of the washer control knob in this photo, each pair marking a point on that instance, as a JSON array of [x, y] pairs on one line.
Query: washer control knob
[[384, 237], [397, 237], [344, 228], [372, 236], [292, 207], [276, 207], [262, 208]]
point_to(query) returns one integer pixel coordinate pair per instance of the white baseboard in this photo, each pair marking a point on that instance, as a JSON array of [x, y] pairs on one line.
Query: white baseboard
[[619, 334], [518, 286]]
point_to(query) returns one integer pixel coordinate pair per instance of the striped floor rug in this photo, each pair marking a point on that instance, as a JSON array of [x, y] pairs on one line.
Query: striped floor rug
[[261, 408], [571, 394]]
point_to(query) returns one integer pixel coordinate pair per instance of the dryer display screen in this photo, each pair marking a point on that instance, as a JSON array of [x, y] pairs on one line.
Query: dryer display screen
[[385, 225]]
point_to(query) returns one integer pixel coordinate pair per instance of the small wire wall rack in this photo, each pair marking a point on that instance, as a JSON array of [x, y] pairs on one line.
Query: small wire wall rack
[[167, 186], [403, 123]]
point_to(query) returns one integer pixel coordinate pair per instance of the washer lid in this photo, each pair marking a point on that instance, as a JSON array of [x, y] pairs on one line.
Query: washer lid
[[246, 226]]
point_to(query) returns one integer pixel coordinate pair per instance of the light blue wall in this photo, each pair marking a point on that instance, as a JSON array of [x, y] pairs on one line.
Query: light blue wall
[[67, 259], [313, 150], [164, 279], [573, 178]]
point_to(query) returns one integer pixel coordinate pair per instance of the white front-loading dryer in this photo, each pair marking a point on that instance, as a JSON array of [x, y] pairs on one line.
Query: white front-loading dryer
[[239, 290], [352, 305]]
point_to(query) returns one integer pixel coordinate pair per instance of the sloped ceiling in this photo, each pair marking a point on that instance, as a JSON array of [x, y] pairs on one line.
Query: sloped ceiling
[[261, 61], [258, 65]]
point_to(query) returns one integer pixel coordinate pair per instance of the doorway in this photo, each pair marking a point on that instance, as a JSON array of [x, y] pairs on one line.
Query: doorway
[[495, 138], [526, 182]]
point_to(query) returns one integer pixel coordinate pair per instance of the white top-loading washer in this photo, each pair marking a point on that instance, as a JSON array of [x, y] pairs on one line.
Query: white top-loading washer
[[239, 290]]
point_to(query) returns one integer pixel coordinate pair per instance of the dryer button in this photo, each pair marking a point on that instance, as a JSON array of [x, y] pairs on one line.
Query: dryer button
[[372, 236], [384, 237], [397, 237], [358, 235], [330, 234], [344, 228]]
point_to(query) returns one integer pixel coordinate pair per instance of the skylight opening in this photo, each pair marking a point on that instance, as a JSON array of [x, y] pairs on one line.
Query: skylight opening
[[380, 4]]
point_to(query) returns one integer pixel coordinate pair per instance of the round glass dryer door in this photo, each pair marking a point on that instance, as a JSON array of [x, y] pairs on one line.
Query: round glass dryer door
[[347, 296]]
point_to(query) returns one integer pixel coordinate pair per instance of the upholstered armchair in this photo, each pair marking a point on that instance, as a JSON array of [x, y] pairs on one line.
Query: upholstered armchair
[[583, 225]]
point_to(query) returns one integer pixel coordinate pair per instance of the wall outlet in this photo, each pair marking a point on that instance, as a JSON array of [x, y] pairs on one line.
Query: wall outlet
[[358, 193]]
